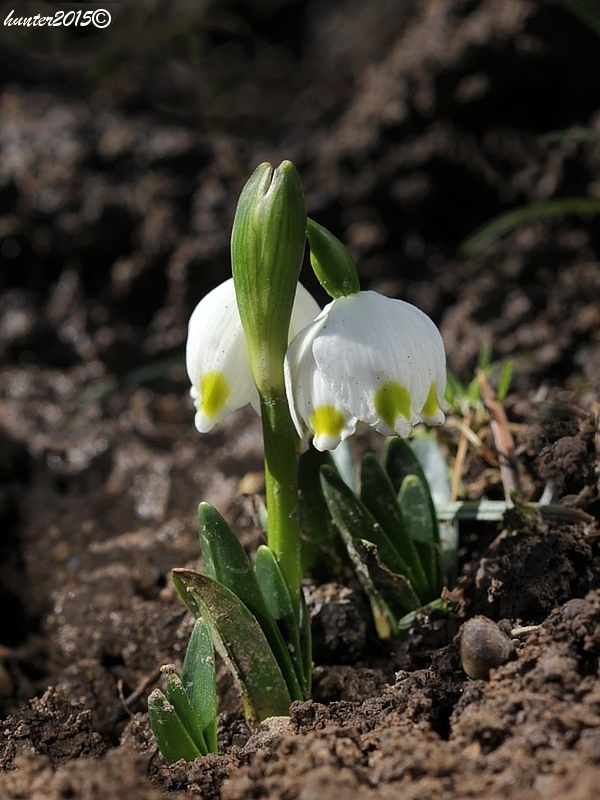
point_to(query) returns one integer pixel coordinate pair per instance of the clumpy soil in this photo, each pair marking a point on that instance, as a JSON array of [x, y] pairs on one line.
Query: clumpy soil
[[123, 152]]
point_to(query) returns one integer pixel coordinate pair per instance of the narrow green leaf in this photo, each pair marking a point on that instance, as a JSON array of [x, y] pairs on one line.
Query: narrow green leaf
[[177, 696], [306, 644], [399, 461], [379, 497], [383, 616], [408, 620], [321, 551], [504, 381], [414, 502], [354, 520], [227, 563], [280, 605], [396, 590], [484, 359], [366, 543], [455, 393], [516, 217], [240, 641], [173, 740], [430, 456], [574, 134], [199, 678]]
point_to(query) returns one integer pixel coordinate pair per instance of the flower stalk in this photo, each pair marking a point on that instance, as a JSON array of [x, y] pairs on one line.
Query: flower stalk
[[281, 485]]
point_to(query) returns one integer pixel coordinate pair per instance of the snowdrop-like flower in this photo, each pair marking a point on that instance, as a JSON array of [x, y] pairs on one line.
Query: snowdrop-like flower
[[217, 354], [365, 359]]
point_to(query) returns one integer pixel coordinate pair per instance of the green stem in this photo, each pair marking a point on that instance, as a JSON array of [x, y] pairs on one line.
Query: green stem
[[281, 481]]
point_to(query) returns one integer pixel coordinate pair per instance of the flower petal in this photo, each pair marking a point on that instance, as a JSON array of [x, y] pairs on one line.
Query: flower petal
[[305, 310], [314, 408], [217, 353], [380, 358], [217, 358]]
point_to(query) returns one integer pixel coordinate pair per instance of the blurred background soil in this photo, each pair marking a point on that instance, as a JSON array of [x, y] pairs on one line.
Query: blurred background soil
[[122, 154]]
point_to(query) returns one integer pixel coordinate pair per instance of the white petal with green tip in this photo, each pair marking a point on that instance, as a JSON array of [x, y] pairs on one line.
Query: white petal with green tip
[[370, 359], [217, 354], [316, 412]]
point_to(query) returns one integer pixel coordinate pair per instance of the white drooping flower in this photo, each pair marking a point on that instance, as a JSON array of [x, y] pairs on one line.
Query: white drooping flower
[[217, 355], [365, 359]]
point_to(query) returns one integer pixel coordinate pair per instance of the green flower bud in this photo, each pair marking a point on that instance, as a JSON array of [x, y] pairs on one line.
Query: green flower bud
[[331, 262], [267, 248]]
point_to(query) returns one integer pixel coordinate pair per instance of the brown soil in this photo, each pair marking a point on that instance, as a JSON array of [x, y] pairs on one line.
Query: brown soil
[[123, 154]]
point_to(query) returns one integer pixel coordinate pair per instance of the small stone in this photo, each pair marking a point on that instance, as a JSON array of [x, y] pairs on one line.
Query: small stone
[[483, 647]]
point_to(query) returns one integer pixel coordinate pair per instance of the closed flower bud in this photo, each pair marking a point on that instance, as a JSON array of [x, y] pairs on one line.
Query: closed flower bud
[[267, 247]]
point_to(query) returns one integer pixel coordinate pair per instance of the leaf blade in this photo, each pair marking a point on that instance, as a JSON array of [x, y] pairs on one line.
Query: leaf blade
[[279, 602], [377, 493], [173, 740], [178, 697], [351, 515], [227, 563], [199, 678], [240, 641], [414, 502]]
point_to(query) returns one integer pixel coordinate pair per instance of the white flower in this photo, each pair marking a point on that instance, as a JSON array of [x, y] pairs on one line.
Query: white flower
[[365, 359], [217, 355]]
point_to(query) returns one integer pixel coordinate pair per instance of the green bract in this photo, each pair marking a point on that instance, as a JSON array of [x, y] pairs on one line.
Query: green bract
[[267, 247], [331, 262]]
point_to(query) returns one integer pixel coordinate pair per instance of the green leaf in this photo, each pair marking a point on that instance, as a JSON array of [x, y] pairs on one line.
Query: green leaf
[[396, 590], [321, 551], [383, 616], [280, 605], [504, 381], [516, 217], [306, 644], [379, 497], [408, 620], [177, 696], [199, 679], [414, 502], [430, 456], [399, 460], [226, 561], [389, 594], [354, 520], [575, 134], [173, 740], [484, 359], [240, 641]]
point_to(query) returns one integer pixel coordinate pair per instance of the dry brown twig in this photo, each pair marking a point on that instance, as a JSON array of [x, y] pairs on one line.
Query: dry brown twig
[[503, 439]]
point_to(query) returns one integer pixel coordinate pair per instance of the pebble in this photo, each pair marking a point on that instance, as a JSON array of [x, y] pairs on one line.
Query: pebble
[[483, 647]]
